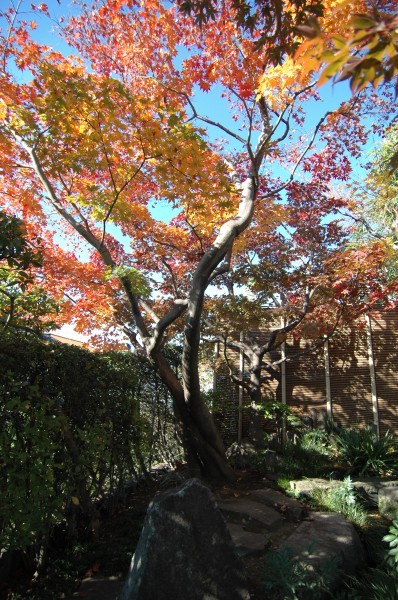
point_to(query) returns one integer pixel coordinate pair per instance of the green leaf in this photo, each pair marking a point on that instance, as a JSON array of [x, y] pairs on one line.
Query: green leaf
[[362, 22]]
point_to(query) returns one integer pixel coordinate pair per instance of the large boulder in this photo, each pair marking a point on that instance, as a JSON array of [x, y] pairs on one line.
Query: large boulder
[[324, 536], [292, 509], [306, 487], [388, 502], [369, 488], [185, 551]]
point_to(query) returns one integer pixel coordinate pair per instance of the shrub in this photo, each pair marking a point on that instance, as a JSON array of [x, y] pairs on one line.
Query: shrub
[[392, 539], [31, 490], [372, 584], [310, 455], [365, 453], [379, 583], [74, 427], [318, 441], [279, 414]]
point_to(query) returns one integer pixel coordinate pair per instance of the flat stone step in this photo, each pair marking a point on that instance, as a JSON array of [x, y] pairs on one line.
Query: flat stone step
[[99, 588], [306, 487], [248, 543], [253, 516], [290, 508]]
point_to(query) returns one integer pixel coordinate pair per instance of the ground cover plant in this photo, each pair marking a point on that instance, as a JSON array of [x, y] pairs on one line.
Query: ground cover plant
[[342, 499], [289, 578], [380, 580]]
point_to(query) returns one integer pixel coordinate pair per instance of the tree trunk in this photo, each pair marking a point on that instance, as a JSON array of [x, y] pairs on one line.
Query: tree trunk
[[256, 432], [203, 446]]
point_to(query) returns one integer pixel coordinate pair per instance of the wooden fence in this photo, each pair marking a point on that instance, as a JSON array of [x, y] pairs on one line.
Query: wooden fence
[[353, 380]]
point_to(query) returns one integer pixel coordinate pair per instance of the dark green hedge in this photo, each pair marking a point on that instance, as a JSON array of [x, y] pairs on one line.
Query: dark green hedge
[[74, 427]]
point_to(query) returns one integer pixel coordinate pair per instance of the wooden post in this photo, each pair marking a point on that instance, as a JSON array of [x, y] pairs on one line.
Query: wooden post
[[283, 382], [329, 406], [216, 355], [240, 391], [375, 401]]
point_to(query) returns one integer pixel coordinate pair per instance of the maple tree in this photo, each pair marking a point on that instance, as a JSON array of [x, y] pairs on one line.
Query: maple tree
[[286, 284], [365, 52], [273, 24], [91, 143], [363, 49], [375, 212]]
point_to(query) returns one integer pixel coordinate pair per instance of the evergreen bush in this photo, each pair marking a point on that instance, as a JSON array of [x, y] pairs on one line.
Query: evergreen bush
[[75, 426], [365, 453]]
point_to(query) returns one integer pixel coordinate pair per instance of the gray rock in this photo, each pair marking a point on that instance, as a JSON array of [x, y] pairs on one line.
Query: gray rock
[[99, 588], [248, 543], [270, 460], [243, 455], [290, 508], [388, 502], [369, 487], [306, 487], [253, 516], [324, 536], [273, 442], [256, 427], [185, 551]]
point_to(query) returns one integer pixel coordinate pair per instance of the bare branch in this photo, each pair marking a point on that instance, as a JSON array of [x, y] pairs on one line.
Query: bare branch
[[321, 342], [363, 222], [193, 229], [224, 267], [117, 194], [196, 115]]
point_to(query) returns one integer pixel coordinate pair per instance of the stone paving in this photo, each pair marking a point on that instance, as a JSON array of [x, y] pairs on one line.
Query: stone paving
[[253, 516], [262, 518], [99, 588]]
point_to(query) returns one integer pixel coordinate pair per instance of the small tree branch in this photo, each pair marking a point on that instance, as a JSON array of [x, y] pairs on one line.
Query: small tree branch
[[302, 155], [178, 308], [313, 347], [240, 381], [224, 267], [173, 279]]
